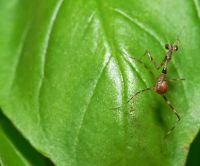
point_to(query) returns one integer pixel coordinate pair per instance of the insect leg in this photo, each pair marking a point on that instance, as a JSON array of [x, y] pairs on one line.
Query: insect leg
[[177, 41], [145, 66], [136, 94], [172, 108], [176, 113], [141, 62], [139, 92], [157, 66], [176, 79], [171, 129]]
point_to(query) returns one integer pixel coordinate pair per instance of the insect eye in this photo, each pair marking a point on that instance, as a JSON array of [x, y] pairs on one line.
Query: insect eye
[[176, 48], [167, 46]]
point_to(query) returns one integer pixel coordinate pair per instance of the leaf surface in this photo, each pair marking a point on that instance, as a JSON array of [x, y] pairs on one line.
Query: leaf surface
[[66, 64]]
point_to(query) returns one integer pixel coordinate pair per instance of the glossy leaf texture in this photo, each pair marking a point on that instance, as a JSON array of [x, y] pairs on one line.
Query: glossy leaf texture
[[66, 65]]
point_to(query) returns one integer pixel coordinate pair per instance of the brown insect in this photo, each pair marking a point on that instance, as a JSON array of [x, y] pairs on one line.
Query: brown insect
[[161, 86]]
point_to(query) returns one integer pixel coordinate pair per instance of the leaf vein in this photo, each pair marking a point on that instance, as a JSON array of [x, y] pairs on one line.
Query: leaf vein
[[88, 103], [44, 54]]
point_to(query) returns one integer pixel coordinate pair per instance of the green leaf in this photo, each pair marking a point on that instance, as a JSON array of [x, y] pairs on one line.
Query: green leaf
[[14, 150], [66, 64]]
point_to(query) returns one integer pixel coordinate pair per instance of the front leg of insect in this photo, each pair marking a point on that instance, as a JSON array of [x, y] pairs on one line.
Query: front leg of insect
[[157, 66]]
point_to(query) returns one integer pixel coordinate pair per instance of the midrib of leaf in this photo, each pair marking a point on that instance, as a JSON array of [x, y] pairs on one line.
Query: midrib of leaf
[[110, 49], [115, 54]]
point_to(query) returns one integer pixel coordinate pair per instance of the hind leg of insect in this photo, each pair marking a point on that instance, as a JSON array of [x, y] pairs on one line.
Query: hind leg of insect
[[134, 95], [172, 107], [175, 112], [139, 92]]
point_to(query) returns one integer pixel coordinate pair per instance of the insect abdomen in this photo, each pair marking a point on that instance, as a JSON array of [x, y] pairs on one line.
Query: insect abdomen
[[161, 87]]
